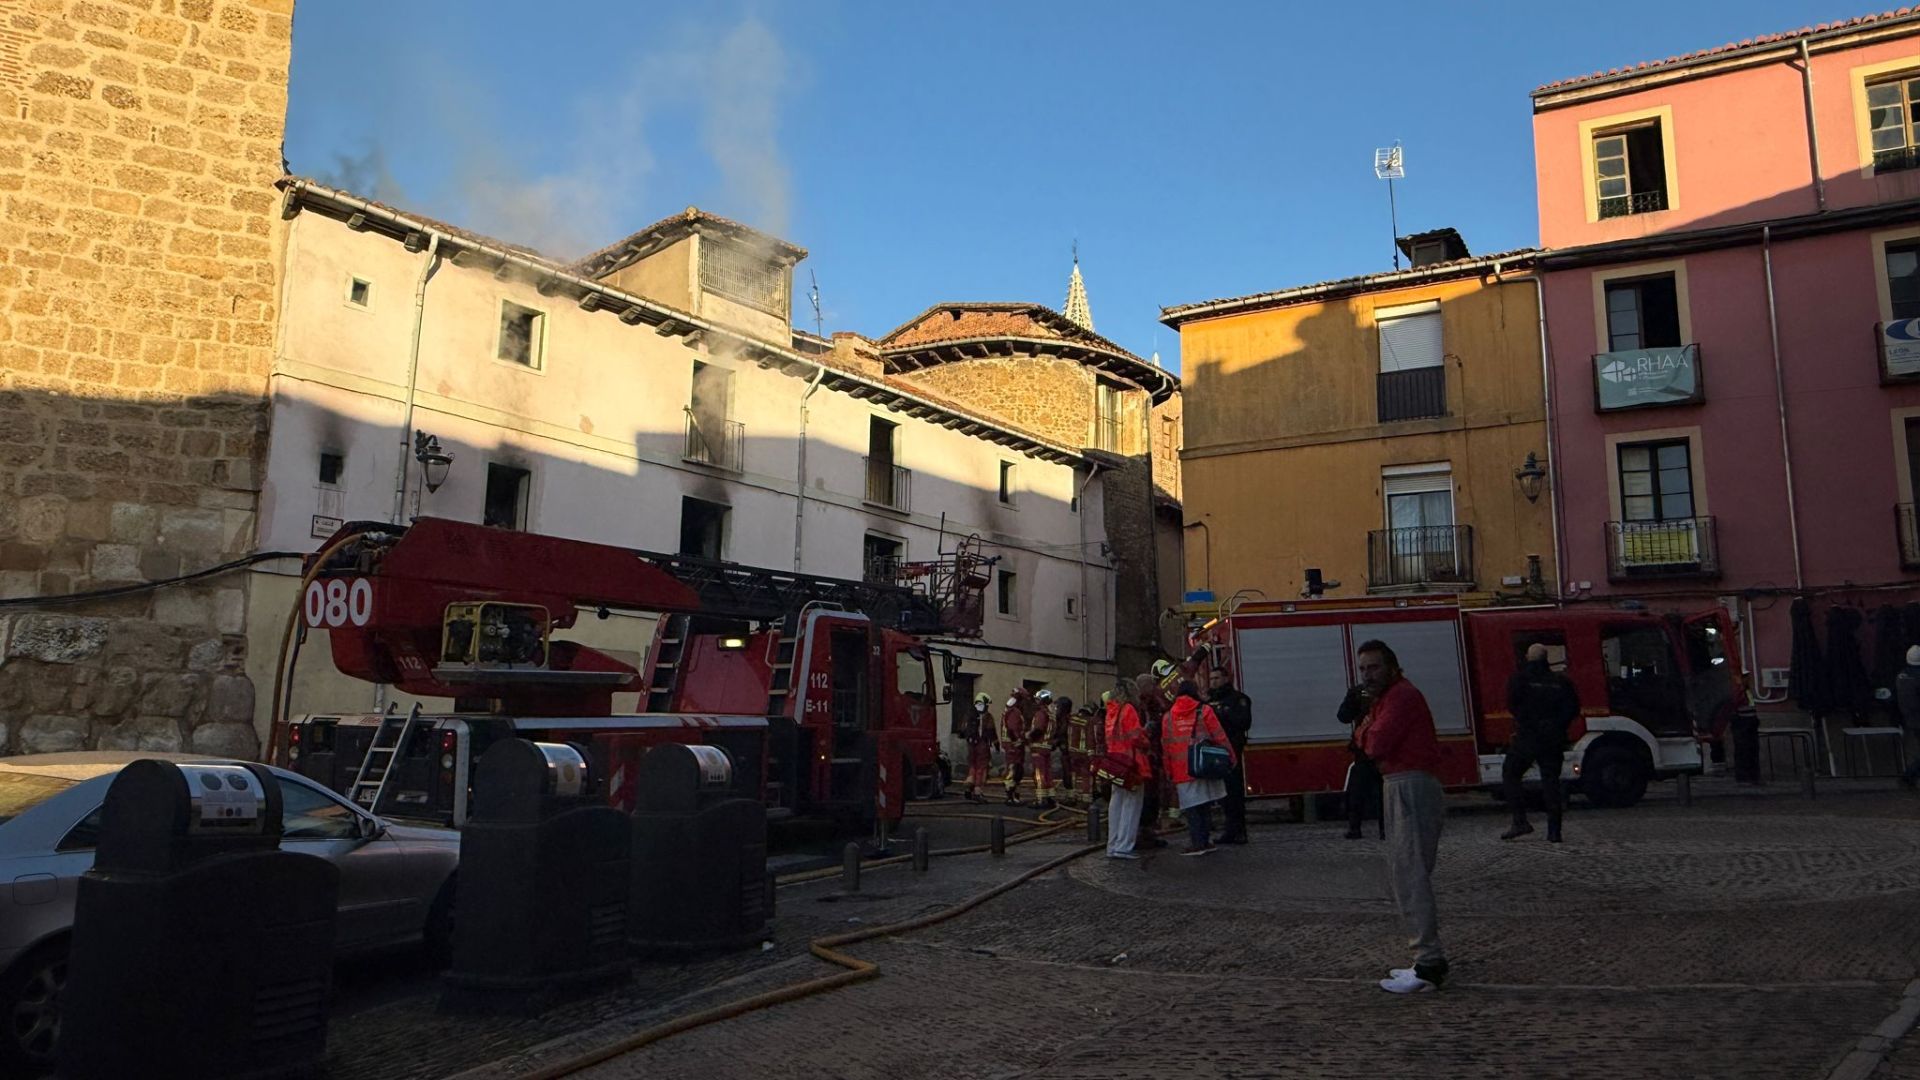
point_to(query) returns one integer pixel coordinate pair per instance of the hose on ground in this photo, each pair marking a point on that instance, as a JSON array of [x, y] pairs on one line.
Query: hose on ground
[[1041, 827], [827, 949]]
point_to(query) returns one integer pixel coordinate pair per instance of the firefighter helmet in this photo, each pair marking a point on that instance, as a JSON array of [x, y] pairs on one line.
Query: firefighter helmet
[[983, 700], [1044, 695], [1162, 668]]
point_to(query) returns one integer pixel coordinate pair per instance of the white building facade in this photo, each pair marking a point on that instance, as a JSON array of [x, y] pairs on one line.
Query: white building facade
[[652, 396]]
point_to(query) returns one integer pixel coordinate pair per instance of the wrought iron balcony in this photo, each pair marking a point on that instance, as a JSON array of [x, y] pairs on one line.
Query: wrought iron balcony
[[881, 569], [888, 484], [719, 443], [1676, 547], [1898, 159], [1640, 202], [1908, 530], [1423, 556], [1413, 394]]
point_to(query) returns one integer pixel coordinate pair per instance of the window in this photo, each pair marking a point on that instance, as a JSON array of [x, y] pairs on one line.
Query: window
[[1106, 421], [1073, 606], [1007, 483], [744, 275], [359, 292], [1008, 594], [910, 674], [886, 481], [1630, 169], [880, 559], [703, 528], [1656, 481], [1413, 375], [1554, 640], [307, 814], [712, 438], [1893, 107], [1417, 500], [1903, 278], [331, 465], [85, 835], [1643, 313], [1421, 544], [506, 506], [1643, 677], [522, 334]]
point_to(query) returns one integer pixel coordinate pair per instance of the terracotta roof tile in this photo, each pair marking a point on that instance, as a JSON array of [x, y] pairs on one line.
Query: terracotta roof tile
[[1720, 50], [978, 319], [1384, 279], [614, 255], [290, 179]]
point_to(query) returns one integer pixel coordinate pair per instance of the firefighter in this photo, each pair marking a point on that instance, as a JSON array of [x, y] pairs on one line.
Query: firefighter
[[1013, 741], [1544, 703], [977, 728], [1235, 710], [1040, 749], [1061, 736]]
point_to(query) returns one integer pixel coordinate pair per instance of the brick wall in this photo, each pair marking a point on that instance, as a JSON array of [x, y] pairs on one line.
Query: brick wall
[[139, 141]]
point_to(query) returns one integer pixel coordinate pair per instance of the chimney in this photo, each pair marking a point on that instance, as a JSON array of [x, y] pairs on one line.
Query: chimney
[[1437, 246], [857, 353]]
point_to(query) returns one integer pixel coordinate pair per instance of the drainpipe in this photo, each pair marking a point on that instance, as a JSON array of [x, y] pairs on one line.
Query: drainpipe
[[1553, 447], [1086, 613], [427, 270], [1780, 396], [1813, 129], [800, 492]]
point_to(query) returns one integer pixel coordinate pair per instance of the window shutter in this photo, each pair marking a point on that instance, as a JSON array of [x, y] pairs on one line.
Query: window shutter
[[1417, 483], [1410, 342]]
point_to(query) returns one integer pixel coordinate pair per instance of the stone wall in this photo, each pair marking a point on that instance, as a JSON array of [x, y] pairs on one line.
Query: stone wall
[[139, 247], [1049, 397]]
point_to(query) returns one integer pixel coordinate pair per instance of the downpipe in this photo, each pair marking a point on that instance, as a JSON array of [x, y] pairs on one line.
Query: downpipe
[[1780, 397], [800, 486], [427, 270], [1086, 609]]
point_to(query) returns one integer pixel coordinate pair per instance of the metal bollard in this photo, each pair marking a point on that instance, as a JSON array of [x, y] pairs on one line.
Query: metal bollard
[[1096, 829], [1686, 788], [997, 835], [850, 868], [922, 851]]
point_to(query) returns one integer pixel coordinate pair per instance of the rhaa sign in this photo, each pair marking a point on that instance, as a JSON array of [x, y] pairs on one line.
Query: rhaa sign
[[1899, 350], [1644, 377]]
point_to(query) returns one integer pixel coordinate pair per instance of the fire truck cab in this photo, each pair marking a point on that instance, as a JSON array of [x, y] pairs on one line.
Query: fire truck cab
[[1655, 689]]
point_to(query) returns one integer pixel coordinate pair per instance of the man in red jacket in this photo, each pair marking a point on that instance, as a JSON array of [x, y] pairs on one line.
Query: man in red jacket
[[1398, 735]]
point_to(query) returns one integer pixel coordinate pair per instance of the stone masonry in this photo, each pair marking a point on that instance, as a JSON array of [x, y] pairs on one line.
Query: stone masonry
[[139, 247]]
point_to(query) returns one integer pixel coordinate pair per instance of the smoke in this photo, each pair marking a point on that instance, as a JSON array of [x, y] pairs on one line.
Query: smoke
[[365, 174], [591, 192]]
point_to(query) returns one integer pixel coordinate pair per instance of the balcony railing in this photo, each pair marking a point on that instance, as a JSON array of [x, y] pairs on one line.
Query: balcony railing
[[718, 443], [881, 569], [1640, 202], [1427, 555], [1677, 547], [1413, 394], [1908, 531], [1898, 159], [888, 484]]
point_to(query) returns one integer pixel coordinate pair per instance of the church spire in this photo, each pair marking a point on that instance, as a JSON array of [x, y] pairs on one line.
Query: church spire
[[1077, 309]]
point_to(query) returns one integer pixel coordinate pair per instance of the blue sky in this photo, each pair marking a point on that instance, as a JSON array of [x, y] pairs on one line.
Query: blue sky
[[926, 153]]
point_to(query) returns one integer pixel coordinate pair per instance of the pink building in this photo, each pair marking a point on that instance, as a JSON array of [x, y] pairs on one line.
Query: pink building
[[1733, 308]]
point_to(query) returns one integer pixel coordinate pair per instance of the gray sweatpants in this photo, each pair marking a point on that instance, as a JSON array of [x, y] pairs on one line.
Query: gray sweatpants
[[1414, 810]]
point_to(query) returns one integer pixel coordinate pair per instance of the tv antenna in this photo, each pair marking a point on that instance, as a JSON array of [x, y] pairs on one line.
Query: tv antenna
[[1390, 164], [813, 295]]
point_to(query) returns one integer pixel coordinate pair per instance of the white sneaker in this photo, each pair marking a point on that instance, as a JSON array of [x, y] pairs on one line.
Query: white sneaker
[[1405, 982], [1400, 973], [1121, 855]]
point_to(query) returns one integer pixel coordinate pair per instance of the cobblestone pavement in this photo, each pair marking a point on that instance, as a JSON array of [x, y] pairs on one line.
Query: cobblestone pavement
[[1746, 936]]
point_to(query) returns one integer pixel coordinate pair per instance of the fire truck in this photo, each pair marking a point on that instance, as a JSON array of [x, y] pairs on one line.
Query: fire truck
[[820, 690], [1655, 689]]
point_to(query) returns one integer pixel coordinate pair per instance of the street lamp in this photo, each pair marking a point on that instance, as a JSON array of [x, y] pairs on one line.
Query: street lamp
[[1530, 474], [434, 462]]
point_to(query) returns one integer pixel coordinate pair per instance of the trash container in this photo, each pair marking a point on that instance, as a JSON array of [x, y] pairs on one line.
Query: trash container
[[699, 855], [1746, 746], [541, 900], [199, 947]]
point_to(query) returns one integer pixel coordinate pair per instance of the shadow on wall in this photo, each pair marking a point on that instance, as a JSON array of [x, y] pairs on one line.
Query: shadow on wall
[[110, 493]]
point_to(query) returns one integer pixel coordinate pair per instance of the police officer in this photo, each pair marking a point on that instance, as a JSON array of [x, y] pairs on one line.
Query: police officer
[[1543, 703], [1235, 711]]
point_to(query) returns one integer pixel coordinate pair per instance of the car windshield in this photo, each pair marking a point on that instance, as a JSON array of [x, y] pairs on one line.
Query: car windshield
[[21, 792]]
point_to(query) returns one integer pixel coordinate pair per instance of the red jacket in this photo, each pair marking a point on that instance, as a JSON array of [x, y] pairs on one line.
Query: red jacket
[[1186, 723], [1014, 726], [1127, 736], [1399, 734]]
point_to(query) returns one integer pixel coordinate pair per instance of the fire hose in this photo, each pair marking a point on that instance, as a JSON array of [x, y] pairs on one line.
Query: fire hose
[[1043, 827], [827, 949]]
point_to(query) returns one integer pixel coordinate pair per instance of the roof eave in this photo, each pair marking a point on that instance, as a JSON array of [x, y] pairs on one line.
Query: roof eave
[[1175, 317], [1159, 383], [665, 320]]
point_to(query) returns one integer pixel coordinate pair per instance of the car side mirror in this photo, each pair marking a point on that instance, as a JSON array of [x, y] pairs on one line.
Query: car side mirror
[[372, 829]]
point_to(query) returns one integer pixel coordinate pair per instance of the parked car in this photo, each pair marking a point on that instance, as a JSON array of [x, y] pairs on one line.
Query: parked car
[[396, 881]]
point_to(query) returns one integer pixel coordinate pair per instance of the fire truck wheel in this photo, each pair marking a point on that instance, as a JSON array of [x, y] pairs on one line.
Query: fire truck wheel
[[1615, 774]]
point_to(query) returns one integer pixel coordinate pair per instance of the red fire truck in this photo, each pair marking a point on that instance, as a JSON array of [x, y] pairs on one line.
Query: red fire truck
[[1655, 689], [821, 690]]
